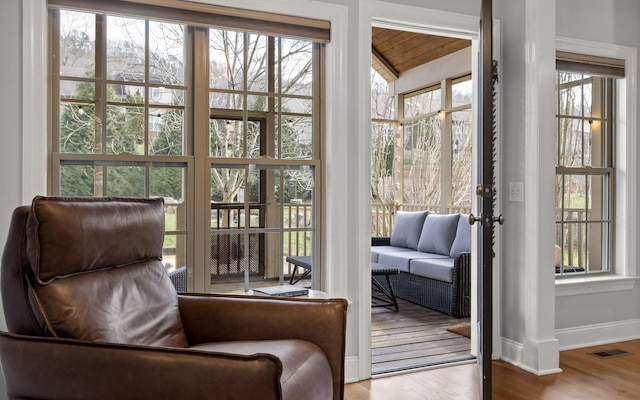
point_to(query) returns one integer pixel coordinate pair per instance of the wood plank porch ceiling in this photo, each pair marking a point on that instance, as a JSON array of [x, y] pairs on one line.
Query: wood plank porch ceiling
[[396, 51]]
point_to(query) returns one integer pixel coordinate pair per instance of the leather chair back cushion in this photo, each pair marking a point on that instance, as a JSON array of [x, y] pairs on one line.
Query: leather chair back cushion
[[67, 236], [98, 275], [136, 304]]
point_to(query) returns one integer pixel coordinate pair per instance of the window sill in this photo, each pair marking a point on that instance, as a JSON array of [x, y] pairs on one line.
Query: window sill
[[594, 284]]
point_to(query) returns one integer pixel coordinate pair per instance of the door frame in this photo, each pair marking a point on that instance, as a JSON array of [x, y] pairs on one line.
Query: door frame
[[431, 21]]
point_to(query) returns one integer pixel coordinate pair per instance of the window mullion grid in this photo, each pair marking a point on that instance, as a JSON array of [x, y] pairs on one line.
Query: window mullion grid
[[147, 80], [587, 201], [582, 116], [101, 169]]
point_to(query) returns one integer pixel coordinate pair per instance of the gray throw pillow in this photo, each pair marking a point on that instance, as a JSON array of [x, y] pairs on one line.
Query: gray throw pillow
[[407, 228], [462, 242], [438, 233]]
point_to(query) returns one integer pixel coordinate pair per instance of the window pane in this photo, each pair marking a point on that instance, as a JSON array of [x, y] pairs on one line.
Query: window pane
[[226, 59], [77, 90], [575, 194], [296, 135], [125, 181], [257, 63], [295, 67], [598, 201], [166, 127], [382, 152], [461, 158], [569, 94], [587, 96], [120, 93], [166, 53], [125, 49], [461, 93], [424, 103], [78, 130], [257, 103], [168, 182], [174, 249], [422, 161], [570, 142], [77, 44], [296, 105], [382, 98], [299, 185], [77, 180], [228, 101], [164, 96], [225, 188], [125, 130]]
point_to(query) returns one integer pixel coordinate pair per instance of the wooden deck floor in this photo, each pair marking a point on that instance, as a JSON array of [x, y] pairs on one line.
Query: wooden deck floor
[[414, 337]]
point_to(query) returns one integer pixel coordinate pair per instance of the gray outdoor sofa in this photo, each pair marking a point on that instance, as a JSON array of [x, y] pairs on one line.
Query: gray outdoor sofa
[[432, 252]]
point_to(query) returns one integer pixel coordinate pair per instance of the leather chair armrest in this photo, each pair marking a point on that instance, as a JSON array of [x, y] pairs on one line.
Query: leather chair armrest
[[37, 367], [213, 318]]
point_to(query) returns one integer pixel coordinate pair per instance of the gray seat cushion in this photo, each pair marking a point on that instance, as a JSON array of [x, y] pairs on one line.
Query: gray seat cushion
[[407, 227], [440, 269], [401, 260], [377, 250], [438, 233]]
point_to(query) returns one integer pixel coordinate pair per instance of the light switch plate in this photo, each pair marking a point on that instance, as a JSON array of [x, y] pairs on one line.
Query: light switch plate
[[516, 190]]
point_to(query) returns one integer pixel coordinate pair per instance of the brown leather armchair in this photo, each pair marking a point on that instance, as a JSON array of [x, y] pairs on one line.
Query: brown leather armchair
[[92, 314]]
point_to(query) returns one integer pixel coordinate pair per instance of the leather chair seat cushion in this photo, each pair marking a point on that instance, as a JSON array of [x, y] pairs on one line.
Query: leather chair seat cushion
[[306, 373], [135, 305]]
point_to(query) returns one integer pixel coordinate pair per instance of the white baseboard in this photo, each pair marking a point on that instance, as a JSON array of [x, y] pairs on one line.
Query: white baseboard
[[351, 370], [578, 337], [594, 335], [512, 352]]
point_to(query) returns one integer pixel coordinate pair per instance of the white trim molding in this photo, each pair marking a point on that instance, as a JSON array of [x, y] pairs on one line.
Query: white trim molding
[[598, 334], [540, 352], [594, 284], [34, 99], [391, 15]]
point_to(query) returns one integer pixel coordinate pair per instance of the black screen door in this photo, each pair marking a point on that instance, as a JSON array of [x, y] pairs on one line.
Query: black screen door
[[486, 193]]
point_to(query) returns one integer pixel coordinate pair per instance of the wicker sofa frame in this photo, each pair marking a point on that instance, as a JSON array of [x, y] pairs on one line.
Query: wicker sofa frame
[[452, 298]]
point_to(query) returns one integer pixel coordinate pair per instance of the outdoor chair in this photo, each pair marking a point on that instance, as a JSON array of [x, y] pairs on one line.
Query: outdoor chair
[[92, 314]]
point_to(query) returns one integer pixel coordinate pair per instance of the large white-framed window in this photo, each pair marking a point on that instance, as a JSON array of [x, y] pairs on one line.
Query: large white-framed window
[[236, 142], [585, 172], [625, 190]]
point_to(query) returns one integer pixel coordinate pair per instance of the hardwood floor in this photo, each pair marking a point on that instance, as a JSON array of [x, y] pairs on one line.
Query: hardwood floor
[[414, 337], [584, 377]]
